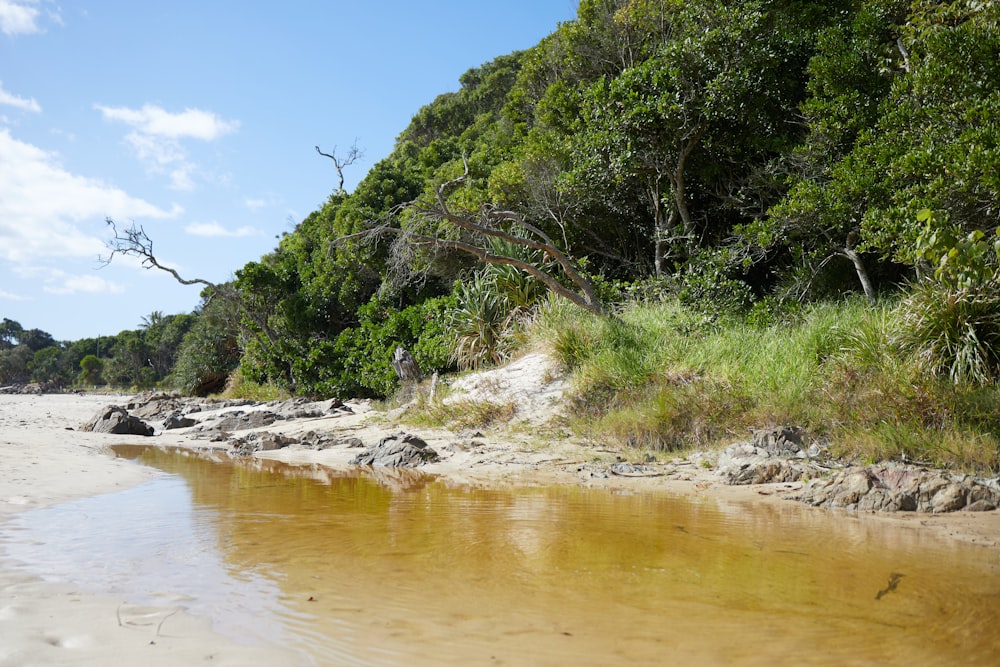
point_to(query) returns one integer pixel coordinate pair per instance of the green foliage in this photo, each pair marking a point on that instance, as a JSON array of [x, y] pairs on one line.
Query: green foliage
[[951, 322], [358, 362], [90, 370], [492, 306], [209, 351]]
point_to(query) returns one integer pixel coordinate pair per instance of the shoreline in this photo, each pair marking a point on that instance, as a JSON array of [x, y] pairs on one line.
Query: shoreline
[[45, 459], [42, 464]]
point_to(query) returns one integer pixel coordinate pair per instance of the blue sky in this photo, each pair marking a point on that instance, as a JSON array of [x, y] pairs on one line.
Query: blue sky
[[198, 121]]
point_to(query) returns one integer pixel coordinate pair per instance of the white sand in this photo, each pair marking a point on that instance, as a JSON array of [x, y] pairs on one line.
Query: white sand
[[42, 463]]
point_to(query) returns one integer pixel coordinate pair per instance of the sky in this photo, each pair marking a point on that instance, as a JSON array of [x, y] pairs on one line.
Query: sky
[[198, 120]]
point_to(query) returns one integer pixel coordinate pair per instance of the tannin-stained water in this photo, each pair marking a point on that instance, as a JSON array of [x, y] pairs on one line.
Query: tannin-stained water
[[398, 568]]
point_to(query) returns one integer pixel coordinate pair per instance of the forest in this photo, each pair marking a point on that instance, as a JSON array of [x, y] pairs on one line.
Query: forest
[[652, 175]]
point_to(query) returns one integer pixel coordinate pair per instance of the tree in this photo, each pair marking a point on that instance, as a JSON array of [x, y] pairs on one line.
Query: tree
[[10, 333], [715, 92], [339, 164], [46, 365], [901, 119], [474, 228], [91, 367]]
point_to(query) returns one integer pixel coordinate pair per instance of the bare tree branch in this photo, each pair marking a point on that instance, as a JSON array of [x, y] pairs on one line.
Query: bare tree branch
[[491, 223], [133, 242], [353, 154]]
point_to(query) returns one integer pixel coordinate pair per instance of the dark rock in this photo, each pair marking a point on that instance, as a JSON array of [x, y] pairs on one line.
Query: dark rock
[[116, 420], [178, 421], [980, 506], [402, 450], [316, 440], [242, 421], [261, 442]]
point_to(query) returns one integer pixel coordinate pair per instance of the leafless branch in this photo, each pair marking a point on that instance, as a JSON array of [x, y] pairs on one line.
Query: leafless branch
[[353, 154], [133, 242], [491, 223]]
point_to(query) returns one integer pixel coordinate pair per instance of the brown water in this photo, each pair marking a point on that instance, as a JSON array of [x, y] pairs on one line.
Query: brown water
[[403, 569]]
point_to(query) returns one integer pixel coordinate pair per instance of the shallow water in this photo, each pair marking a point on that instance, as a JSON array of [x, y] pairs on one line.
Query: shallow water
[[402, 569]]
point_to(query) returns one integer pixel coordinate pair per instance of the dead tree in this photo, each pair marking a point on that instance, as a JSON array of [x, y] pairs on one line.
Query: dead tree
[[133, 241], [339, 164], [492, 223]]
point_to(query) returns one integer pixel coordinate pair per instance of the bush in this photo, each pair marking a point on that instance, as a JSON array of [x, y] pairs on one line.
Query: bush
[[951, 321]]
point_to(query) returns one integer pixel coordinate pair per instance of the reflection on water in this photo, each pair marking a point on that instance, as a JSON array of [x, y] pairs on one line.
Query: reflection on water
[[402, 569]]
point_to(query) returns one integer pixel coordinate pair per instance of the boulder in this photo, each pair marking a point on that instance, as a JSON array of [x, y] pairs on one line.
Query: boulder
[[178, 421], [260, 442], [772, 455], [116, 420], [397, 451], [242, 421], [896, 487]]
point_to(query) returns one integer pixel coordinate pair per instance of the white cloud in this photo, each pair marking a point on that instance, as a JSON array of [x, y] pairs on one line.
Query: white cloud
[[62, 284], [214, 229], [156, 138], [255, 204], [40, 204], [8, 296], [156, 122], [19, 17], [18, 102]]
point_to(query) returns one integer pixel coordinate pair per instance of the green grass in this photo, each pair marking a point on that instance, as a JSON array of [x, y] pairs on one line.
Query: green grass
[[663, 377], [462, 415], [238, 387]]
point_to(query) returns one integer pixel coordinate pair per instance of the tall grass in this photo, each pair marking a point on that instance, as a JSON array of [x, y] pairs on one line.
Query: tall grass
[[664, 377]]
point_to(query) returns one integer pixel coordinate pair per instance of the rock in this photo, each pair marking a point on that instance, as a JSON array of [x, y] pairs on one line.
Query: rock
[[316, 440], [260, 442], [901, 488], [116, 420], [178, 421], [948, 499], [772, 455], [402, 450], [852, 489], [242, 421], [980, 506]]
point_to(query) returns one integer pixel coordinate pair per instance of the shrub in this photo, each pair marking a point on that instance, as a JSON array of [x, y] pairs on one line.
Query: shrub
[[951, 321]]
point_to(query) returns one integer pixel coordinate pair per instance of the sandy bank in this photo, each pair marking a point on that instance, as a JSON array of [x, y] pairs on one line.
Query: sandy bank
[[53, 623]]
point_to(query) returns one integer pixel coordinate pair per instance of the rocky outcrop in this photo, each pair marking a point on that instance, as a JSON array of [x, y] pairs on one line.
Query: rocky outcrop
[[397, 451], [783, 454], [771, 455], [260, 442], [897, 487], [116, 420], [33, 388]]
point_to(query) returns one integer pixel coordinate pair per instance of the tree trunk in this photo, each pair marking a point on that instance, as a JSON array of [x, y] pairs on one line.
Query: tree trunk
[[859, 267]]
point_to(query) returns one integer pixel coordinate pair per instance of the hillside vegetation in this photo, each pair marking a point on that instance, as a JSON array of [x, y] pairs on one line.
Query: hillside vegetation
[[769, 211]]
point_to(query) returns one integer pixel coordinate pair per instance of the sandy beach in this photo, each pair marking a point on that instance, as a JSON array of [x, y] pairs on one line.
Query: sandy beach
[[45, 460], [52, 623]]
